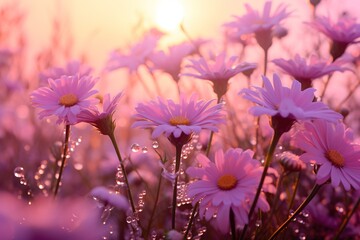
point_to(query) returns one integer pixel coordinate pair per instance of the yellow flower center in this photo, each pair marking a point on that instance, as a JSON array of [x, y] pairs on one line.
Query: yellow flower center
[[227, 182], [335, 158], [68, 100], [179, 120]]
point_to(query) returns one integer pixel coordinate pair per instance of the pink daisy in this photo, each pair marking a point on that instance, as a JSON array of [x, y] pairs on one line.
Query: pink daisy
[[170, 61], [103, 121], [331, 147], [218, 70], [287, 105], [305, 71], [230, 182], [178, 120], [342, 33], [262, 24], [65, 98]]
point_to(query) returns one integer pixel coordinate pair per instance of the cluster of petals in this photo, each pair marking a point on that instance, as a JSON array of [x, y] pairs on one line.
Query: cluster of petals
[[65, 98], [345, 30], [287, 102], [187, 116], [253, 21], [306, 70], [331, 147], [239, 173]]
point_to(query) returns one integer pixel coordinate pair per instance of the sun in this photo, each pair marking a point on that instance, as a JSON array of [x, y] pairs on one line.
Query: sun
[[169, 15]]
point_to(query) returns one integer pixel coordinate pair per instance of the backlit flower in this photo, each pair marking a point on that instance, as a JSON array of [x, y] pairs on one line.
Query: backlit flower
[[331, 147], [218, 70], [178, 120], [65, 98], [261, 24], [287, 105], [230, 182], [342, 33], [103, 121], [306, 70]]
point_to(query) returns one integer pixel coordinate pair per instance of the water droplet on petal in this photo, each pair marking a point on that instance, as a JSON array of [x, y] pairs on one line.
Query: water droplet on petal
[[155, 144], [135, 147], [19, 172], [144, 150]]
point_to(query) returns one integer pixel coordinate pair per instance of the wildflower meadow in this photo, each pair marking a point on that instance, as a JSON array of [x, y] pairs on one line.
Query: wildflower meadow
[[250, 133]]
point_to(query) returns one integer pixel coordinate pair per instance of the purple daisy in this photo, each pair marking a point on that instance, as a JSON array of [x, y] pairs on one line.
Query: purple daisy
[[103, 121], [287, 105], [218, 70], [305, 71], [342, 33], [331, 147], [230, 182], [262, 24], [178, 120], [65, 98]]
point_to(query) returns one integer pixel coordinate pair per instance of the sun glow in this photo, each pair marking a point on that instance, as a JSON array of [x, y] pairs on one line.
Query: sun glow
[[169, 14]]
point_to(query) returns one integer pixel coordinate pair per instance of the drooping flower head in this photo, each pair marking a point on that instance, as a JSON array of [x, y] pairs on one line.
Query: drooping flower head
[[178, 121], [330, 146], [305, 71], [170, 61], [65, 98], [342, 33], [103, 121], [287, 105], [229, 182], [260, 24], [218, 70]]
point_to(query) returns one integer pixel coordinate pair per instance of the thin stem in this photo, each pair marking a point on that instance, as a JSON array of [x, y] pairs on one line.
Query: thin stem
[[177, 167], [266, 56], [232, 225], [66, 147], [297, 211], [211, 135], [325, 86], [268, 159], [294, 192], [191, 220], [155, 204], [113, 141], [346, 220]]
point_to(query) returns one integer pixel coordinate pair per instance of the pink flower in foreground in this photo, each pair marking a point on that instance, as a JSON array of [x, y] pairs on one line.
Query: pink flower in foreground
[[228, 183], [180, 120], [262, 24], [103, 121], [342, 33], [331, 147], [287, 105], [305, 71], [65, 98], [218, 70]]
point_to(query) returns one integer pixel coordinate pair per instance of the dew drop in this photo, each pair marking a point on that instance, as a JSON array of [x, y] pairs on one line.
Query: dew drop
[[258, 223], [135, 147], [144, 150], [129, 219], [302, 236], [340, 208], [155, 144], [19, 172]]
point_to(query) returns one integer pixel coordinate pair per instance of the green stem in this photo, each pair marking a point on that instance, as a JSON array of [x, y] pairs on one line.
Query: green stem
[[294, 192], [191, 220], [66, 147], [346, 220], [268, 159], [297, 211], [155, 204], [232, 225], [177, 167], [113, 141]]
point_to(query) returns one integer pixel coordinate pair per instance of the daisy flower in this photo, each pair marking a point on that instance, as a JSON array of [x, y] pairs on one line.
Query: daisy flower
[[178, 120], [306, 70], [342, 33], [287, 105], [230, 182], [261, 24], [65, 98], [218, 70], [331, 147], [103, 121]]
